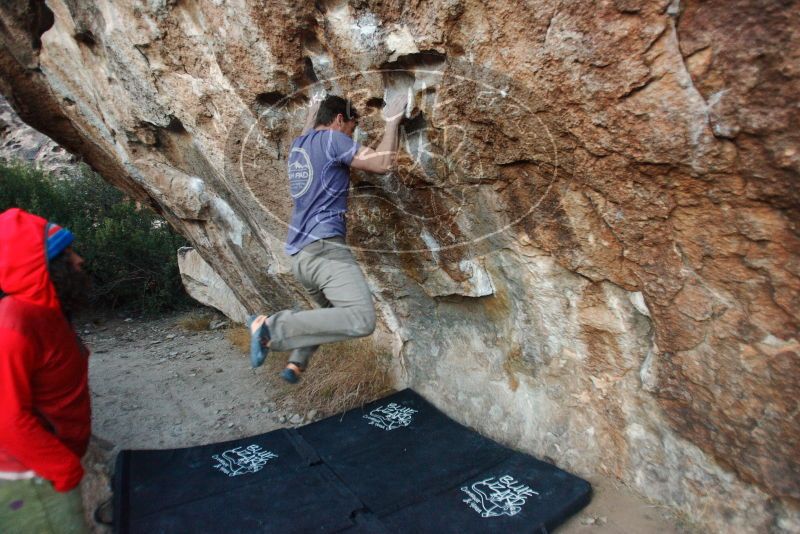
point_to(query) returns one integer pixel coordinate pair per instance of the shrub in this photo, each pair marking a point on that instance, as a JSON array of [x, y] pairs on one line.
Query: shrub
[[130, 251], [195, 322]]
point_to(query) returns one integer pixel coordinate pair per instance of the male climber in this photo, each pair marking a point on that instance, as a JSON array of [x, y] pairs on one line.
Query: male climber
[[319, 179]]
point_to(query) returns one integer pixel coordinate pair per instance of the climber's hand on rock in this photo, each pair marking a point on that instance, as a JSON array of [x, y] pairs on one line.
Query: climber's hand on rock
[[395, 109]]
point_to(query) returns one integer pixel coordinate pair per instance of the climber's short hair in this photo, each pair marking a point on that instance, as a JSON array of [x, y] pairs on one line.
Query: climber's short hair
[[332, 106]]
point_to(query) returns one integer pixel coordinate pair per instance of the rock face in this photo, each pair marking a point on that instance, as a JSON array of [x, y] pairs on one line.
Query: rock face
[[203, 284], [590, 249], [20, 142]]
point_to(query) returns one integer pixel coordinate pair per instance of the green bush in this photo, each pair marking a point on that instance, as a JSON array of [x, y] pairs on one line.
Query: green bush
[[129, 251]]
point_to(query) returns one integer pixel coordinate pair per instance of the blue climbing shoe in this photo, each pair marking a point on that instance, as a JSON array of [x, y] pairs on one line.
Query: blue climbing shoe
[[291, 373], [259, 337]]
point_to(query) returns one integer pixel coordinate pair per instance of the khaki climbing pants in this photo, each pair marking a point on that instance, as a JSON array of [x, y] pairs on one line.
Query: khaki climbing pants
[[329, 272]]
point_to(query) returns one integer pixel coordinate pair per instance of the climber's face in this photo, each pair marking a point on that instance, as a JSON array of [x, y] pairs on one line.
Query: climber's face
[[349, 127], [343, 125], [74, 260]]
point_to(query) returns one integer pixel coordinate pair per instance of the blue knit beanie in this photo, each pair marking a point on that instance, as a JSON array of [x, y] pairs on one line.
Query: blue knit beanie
[[57, 240]]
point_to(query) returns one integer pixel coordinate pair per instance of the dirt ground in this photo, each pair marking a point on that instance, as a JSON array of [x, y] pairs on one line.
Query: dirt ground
[[156, 385]]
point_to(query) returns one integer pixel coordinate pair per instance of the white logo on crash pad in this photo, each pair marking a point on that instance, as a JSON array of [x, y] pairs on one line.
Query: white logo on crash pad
[[301, 173], [390, 416], [493, 497], [241, 461]]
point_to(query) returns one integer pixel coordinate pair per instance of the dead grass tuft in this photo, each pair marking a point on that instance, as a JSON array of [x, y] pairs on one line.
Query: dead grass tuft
[[239, 337], [195, 322], [340, 376]]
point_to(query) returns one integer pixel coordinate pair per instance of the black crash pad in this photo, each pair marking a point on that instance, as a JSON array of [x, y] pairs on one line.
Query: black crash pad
[[520, 494], [258, 484], [400, 450], [395, 465]]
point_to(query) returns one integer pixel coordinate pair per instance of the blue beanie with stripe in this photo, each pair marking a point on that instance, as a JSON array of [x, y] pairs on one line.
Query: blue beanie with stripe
[[57, 239]]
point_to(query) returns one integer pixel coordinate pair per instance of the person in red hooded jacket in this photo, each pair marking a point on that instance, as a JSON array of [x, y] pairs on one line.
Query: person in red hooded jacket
[[44, 396]]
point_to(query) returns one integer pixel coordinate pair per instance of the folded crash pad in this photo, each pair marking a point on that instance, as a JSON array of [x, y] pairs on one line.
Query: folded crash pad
[[394, 465]]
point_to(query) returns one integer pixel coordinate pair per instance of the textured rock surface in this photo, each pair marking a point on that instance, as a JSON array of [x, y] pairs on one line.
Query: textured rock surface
[[590, 250], [20, 142], [204, 285]]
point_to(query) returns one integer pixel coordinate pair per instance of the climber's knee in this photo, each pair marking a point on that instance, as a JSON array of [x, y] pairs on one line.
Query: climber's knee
[[365, 323]]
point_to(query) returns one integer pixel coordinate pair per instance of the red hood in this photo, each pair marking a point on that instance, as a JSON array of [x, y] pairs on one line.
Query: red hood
[[23, 264]]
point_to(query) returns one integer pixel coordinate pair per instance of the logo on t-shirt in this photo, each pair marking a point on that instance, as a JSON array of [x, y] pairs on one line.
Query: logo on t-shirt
[[301, 173]]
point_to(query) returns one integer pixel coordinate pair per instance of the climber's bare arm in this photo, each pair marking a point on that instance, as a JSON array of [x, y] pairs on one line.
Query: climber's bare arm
[[382, 159]]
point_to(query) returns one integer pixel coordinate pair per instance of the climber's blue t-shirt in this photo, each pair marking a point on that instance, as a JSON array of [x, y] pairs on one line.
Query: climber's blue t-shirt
[[319, 180]]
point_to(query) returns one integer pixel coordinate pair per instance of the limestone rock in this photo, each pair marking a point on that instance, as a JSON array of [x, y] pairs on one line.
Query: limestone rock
[[20, 142], [204, 285], [589, 250]]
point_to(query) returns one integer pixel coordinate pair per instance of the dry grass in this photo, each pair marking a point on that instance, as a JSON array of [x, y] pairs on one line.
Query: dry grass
[[239, 337], [340, 376], [195, 322]]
